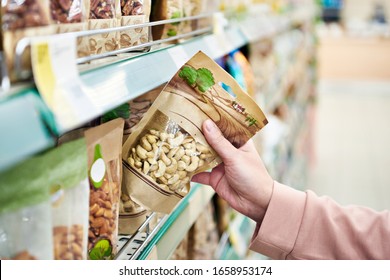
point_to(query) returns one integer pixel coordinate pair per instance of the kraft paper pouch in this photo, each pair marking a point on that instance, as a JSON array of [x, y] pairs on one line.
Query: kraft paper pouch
[[167, 146], [104, 146], [134, 12]]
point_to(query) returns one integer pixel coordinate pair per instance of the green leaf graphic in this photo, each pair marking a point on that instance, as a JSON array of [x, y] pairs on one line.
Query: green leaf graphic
[[205, 79], [189, 74]]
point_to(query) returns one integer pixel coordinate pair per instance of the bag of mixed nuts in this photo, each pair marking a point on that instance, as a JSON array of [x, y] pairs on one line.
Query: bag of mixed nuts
[[69, 190], [134, 12], [25, 211], [23, 19], [104, 144], [71, 16], [167, 147], [103, 14]]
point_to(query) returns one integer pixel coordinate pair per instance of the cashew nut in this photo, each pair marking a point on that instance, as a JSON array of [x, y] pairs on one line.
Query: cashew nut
[[161, 169], [176, 142], [194, 164], [165, 159], [182, 174], [174, 179], [173, 167], [141, 152], [181, 165], [145, 144], [146, 167]]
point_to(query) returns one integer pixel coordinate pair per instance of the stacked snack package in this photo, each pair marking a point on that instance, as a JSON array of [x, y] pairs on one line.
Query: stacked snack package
[[134, 12], [25, 216], [103, 14], [22, 18], [71, 16], [163, 10], [172, 9], [104, 144], [70, 200], [167, 146]]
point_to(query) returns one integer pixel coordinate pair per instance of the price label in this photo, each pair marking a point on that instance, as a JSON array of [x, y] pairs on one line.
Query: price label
[[58, 81]]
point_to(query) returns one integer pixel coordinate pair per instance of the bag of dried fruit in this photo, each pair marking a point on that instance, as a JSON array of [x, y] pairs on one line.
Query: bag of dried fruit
[[167, 147]]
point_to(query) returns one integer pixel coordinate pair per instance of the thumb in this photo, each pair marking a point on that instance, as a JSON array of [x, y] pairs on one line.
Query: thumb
[[217, 141]]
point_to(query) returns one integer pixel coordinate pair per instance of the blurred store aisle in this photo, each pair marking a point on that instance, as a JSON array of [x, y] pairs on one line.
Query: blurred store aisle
[[352, 143]]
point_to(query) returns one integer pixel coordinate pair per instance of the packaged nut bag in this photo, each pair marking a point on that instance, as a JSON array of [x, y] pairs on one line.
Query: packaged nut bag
[[166, 9], [103, 14], [25, 211], [22, 18], [167, 147], [70, 16], [138, 107], [134, 12], [104, 144], [69, 190]]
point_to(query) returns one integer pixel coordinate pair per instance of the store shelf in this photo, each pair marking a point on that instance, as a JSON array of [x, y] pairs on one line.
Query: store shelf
[[118, 82], [24, 128]]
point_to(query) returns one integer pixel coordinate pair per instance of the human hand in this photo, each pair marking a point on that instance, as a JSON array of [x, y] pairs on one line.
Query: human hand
[[242, 179]]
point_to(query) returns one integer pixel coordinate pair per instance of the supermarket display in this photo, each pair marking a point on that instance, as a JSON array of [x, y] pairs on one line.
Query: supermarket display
[[114, 142]]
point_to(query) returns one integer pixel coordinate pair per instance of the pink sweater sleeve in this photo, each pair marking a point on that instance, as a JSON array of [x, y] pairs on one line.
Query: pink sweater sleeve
[[301, 225]]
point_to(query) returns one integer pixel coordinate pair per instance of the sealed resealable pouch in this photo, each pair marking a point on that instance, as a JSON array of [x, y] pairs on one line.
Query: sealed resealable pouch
[[69, 189], [134, 12], [167, 147], [104, 146], [25, 211], [165, 10], [103, 14], [71, 16]]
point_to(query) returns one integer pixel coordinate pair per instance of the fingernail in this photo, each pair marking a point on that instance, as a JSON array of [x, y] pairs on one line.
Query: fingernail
[[209, 125]]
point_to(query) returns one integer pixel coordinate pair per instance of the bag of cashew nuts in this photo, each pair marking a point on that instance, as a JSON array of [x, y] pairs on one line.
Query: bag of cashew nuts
[[167, 147], [104, 146], [134, 12], [70, 200], [71, 16], [22, 18], [25, 211]]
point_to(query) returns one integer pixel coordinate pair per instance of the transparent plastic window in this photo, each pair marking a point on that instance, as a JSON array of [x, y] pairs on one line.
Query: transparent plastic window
[[66, 11], [132, 7], [25, 234], [18, 14], [168, 156], [102, 9], [70, 222]]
